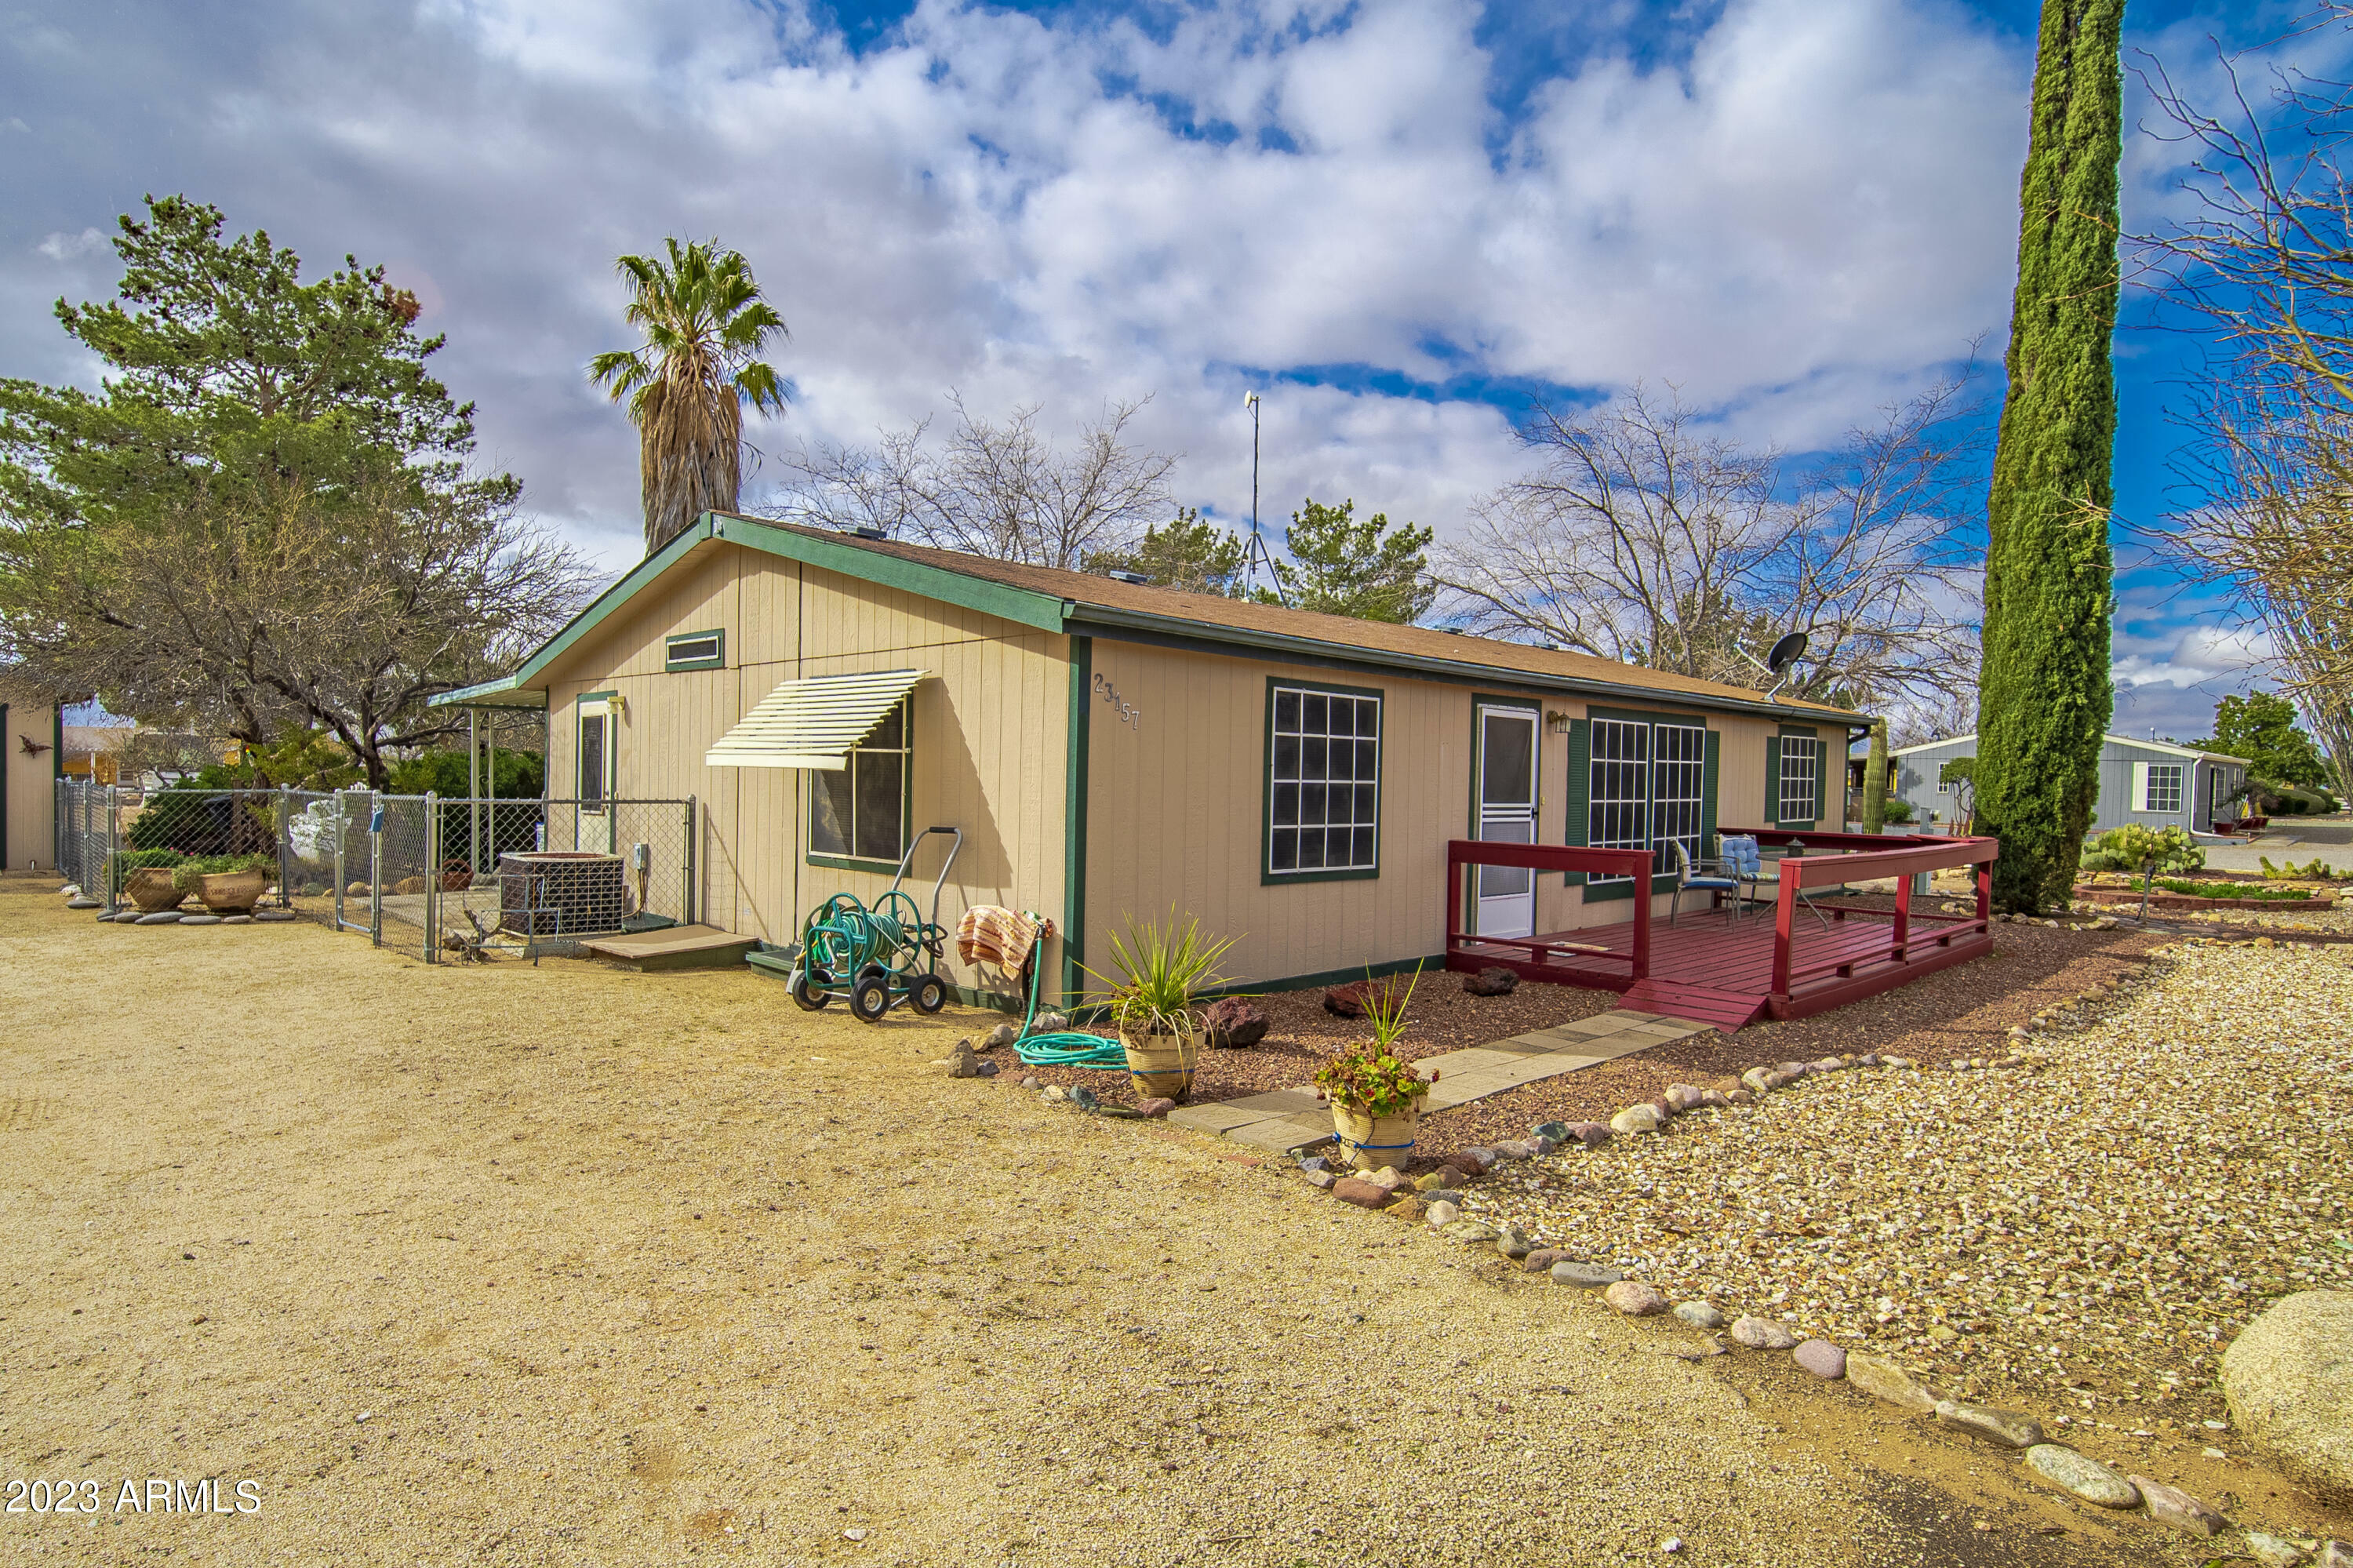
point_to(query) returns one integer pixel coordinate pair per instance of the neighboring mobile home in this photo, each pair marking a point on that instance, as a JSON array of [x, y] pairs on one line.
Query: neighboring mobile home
[[2149, 781], [1115, 752]]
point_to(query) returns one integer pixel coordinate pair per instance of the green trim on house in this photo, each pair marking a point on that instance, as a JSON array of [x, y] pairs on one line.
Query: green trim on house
[[1662, 881], [612, 745], [1773, 778], [1267, 876], [672, 663], [1076, 746], [1576, 818], [1200, 637], [1435, 963], [1006, 603]]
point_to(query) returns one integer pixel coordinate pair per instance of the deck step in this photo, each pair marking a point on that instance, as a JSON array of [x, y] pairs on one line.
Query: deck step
[[1728, 1010]]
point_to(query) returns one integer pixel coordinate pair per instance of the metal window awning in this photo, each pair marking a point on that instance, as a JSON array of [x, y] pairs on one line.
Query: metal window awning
[[812, 723]]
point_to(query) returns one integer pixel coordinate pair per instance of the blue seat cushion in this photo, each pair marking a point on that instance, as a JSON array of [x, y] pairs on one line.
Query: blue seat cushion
[[1711, 882]]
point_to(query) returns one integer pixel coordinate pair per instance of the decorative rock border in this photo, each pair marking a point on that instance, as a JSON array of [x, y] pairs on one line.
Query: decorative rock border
[[2115, 897], [1434, 1201]]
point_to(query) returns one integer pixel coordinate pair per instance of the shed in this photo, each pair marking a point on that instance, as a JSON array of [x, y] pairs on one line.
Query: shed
[[2154, 782], [1113, 752], [30, 766]]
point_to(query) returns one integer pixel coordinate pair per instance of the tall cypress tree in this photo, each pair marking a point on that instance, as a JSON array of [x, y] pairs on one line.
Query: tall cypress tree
[[2044, 699]]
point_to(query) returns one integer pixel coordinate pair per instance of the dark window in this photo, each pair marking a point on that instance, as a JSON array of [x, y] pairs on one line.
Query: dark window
[[593, 763], [695, 650], [1324, 769], [859, 813]]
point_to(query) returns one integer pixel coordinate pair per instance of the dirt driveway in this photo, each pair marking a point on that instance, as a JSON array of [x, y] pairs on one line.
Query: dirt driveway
[[564, 1264]]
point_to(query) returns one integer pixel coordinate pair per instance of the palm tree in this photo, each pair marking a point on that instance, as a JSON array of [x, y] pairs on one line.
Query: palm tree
[[705, 323]]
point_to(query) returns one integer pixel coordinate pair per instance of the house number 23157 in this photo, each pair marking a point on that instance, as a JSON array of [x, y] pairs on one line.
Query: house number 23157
[[1131, 716]]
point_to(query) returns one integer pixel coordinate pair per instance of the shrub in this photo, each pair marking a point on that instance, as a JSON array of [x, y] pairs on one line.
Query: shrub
[[1897, 809], [2135, 846], [190, 870], [122, 863]]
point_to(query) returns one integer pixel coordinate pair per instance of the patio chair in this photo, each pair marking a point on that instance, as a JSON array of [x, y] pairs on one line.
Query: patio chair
[[1744, 862], [1705, 877], [1754, 856]]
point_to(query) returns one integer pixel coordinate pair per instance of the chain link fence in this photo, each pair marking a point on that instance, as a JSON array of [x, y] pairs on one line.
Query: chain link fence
[[437, 879]]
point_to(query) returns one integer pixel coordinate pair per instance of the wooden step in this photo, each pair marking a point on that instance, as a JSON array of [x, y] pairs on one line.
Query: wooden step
[[1726, 1010]]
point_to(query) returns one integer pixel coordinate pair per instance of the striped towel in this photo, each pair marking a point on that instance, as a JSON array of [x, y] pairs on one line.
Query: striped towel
[[991, 934]]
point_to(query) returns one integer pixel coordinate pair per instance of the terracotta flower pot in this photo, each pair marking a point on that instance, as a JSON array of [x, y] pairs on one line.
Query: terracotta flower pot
[[150, 889], [1161, 1064], [232, 892], [456, 877], [1369, 1142]]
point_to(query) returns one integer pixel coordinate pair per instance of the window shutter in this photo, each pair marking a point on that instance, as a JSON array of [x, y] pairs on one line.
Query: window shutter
[[1773, 780], [1579, 795], [2140, 787], [1707, 798], [1821, 781]]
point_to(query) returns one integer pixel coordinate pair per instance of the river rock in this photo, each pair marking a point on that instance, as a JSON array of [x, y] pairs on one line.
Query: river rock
[[237, 920], [961, 1063], [2007, 1428], [2085, 1477], [1555, 1132], [1636, 1118], [1681, 1097], [1583, 1275], [273, 914], [1821, 1357], [1882, 1378], [78, 902], [161, 918], [1003, 1034], [1516, 1243], [1492, 980], [1363, 1193], [1541, 1260], [1754, 1080], [2171, 1505], [1409, 1207], [1699, 1314], [2273, 1551], [2289, 1380], [1475, 1159], [1762, 1334], [1634, 1299], [1592, 1134], [1471, 1233], [200, 919], [1441, 1213], [1322, 1178], [1159, 1105]]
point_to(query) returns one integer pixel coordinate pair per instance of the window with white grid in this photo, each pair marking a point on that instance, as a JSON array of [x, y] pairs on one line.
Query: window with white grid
[[1618, 810], [2164, 787], [1800, 778], [1325, 778], [1678, 785]]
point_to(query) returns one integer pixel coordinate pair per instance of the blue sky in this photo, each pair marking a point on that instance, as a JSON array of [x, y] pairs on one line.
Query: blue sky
[[1402, 218]]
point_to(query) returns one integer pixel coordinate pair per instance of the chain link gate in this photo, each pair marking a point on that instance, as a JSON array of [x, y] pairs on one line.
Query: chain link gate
[[429, 877]]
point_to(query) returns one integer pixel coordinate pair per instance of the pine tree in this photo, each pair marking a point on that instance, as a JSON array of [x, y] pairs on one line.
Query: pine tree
[[1344, 567], [2045, 696]]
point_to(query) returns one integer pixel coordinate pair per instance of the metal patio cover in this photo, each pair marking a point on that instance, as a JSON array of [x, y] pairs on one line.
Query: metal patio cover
[[812, 723]]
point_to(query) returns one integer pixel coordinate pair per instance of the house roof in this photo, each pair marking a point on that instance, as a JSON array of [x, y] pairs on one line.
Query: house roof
[[2162, 748], [1090, 604]]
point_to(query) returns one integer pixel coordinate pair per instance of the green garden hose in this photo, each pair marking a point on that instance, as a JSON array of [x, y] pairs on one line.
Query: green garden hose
[[1065, 1047]]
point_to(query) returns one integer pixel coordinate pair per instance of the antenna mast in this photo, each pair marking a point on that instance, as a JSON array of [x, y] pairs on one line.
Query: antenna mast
[[1256, 553]]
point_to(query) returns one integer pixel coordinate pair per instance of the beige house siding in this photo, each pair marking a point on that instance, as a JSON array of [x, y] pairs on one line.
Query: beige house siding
[[32, 787], [989, 734], [1175, 814]]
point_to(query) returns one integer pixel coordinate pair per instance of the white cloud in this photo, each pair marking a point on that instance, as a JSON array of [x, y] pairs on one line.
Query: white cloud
[[1796, 211], [72, 247]]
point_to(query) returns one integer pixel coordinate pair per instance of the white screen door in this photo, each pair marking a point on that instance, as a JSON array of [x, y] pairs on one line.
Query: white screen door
[[1507, 903], [596, 774]]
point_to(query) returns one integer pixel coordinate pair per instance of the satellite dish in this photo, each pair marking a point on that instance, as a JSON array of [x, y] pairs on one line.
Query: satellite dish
[[1786, 652]]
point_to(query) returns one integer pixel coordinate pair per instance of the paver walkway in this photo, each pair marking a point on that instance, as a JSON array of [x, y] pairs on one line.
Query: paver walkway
[[1286, 1119]]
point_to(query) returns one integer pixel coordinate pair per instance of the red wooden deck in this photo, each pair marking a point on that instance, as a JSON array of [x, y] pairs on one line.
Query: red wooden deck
[[1780, 960]]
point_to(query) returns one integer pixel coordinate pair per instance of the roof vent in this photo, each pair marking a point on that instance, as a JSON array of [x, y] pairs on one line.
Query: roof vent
[[869, 533], [1137, 579]]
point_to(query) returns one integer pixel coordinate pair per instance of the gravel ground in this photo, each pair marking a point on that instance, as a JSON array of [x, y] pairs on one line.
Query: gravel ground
[[2080, 1235], [565, 1265], [1301, 1037]]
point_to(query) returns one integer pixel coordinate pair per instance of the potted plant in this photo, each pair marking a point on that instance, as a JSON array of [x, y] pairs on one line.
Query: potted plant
[[1376, 1096], [228, 884], [1157, 973], [145, 878]]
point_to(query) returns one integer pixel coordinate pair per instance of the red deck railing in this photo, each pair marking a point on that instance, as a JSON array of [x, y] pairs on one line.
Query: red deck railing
[[1870, 857], [1559, 958]]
